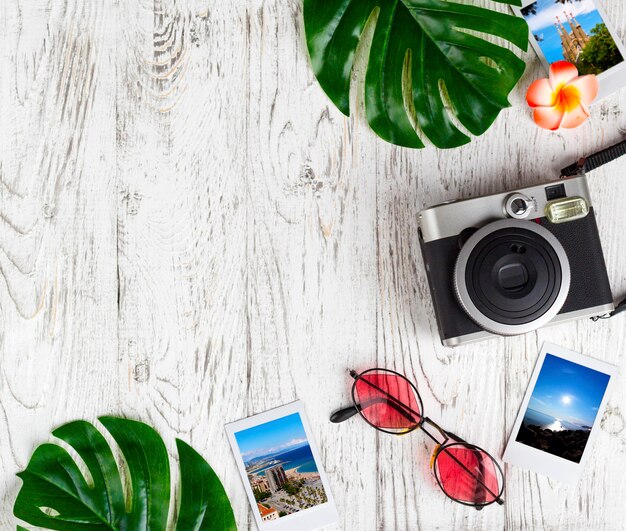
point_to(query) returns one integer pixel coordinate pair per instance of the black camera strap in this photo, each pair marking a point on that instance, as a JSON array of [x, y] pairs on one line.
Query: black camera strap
[[590, 163]]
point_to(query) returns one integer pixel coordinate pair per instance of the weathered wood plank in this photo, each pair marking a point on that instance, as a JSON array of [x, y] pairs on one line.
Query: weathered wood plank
[[181, 81], [58, 287], [311, 253]]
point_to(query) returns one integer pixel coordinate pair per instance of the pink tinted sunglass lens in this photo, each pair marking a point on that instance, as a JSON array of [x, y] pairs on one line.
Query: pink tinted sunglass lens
[[387, 401], [468, 474]]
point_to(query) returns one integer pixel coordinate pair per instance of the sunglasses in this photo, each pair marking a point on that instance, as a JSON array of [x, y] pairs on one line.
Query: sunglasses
[[390, 403]]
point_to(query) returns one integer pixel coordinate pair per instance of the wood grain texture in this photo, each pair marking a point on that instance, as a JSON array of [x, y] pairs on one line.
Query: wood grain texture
[[191, 233], [58, 331]]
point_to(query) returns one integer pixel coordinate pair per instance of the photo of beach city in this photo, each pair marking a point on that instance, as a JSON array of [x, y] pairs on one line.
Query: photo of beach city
[[281, 468], [563, 408], [574, 31]]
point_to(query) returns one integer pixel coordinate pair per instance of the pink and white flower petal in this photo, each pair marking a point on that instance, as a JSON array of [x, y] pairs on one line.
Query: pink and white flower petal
[[540, 94], [549, 117], [587, 86], [561, 73], [575, 117]]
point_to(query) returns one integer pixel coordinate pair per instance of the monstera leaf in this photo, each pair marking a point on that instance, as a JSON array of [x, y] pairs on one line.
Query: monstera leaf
[[56, 495], [433, 54]]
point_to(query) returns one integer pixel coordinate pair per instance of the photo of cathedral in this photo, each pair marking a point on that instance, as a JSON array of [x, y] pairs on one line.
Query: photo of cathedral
[[573, 42], [574, 31]]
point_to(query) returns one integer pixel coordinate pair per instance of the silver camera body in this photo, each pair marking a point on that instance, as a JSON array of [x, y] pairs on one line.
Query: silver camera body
[[509, 263]]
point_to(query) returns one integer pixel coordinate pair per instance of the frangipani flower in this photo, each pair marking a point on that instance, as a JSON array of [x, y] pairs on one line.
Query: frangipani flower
[[562, 100]]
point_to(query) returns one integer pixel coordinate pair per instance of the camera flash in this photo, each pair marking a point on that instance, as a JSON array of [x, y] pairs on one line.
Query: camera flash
[[566, 209]]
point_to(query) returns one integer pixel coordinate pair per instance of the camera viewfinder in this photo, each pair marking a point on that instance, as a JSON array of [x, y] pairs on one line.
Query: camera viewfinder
[[555, 192]]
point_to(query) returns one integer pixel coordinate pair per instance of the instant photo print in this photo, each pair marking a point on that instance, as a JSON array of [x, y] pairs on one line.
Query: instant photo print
[[577, 31], [560, 413], [281, 470]]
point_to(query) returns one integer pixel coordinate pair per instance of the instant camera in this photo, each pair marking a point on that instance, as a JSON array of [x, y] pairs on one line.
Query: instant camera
[[509, 263]]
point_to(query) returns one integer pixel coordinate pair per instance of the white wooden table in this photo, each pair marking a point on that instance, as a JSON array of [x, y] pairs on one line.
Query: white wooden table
[[191, 233]]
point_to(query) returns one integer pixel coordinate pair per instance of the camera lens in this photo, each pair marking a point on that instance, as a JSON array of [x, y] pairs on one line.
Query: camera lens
[[512, 276]]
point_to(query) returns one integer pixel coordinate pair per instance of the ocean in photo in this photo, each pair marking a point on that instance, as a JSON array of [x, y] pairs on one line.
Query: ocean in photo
[[300, 458], [545, 421]]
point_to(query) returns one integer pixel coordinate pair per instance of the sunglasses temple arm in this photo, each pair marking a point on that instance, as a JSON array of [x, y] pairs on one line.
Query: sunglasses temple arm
[[455, 437], [345, 413]]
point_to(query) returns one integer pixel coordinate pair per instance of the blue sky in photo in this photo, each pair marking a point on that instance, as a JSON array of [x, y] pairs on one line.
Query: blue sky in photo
[[568, 391], [271, 437], [542, 24]]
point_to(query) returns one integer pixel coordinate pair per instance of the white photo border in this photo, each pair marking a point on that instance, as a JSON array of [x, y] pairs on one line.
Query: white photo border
[[306, 519], [610, 80], [530, 458]]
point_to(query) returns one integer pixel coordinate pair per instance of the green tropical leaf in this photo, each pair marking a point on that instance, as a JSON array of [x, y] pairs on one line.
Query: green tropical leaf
[[56, 495], [430, 52]]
